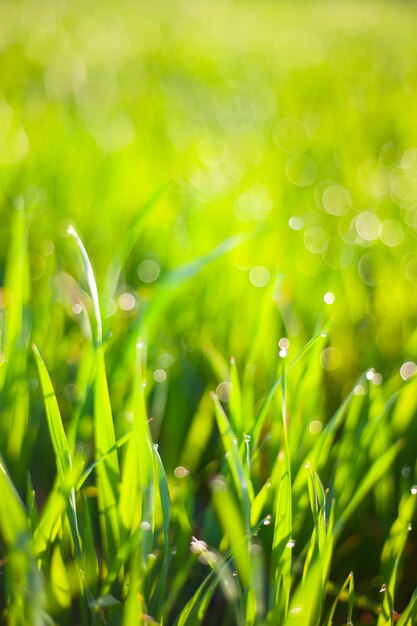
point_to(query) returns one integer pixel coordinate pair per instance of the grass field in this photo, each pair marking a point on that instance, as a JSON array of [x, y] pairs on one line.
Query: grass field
[[208, 273]]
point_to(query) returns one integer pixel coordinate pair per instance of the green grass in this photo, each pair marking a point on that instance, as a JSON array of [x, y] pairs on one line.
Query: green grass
[[207, 313]]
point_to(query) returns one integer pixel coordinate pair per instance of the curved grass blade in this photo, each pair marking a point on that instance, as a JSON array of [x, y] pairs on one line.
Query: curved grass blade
[[329, 619], [91, 282], [59, 442]]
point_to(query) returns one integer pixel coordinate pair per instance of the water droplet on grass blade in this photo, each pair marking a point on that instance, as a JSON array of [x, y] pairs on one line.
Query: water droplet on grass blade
[[359, 390], [267, 520], [370, 373], [160, 375], [414, 490], [315, 427], [223, 391], [145, 526], [197, 546], [290, 544], [284, 343], [181, 472], [383, 588], [329, 297], [407, 369]]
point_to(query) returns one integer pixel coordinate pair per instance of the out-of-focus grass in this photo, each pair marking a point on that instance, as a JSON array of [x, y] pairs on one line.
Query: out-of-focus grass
[[239, 173]]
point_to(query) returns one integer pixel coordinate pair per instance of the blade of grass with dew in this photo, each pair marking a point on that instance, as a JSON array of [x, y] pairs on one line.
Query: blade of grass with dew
[[237, 469], [282, 513], [259, 502], [108, 473], [351, 598], [329, 619], [391, 555], [195, 609]]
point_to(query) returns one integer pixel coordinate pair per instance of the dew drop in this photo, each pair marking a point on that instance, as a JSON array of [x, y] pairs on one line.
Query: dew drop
[[329, 297], [145, 526], [383, 588], [155, 447], [290, 544], [323, 334], [247, 438], [410, 527], [370, 374], [181, 472], [307, 465], [414, 490], [407, 369], [284, 343], [267, 520], [160, 375]]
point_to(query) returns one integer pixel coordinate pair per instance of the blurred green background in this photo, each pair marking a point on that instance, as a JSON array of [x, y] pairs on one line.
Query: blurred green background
[[292, 121]]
